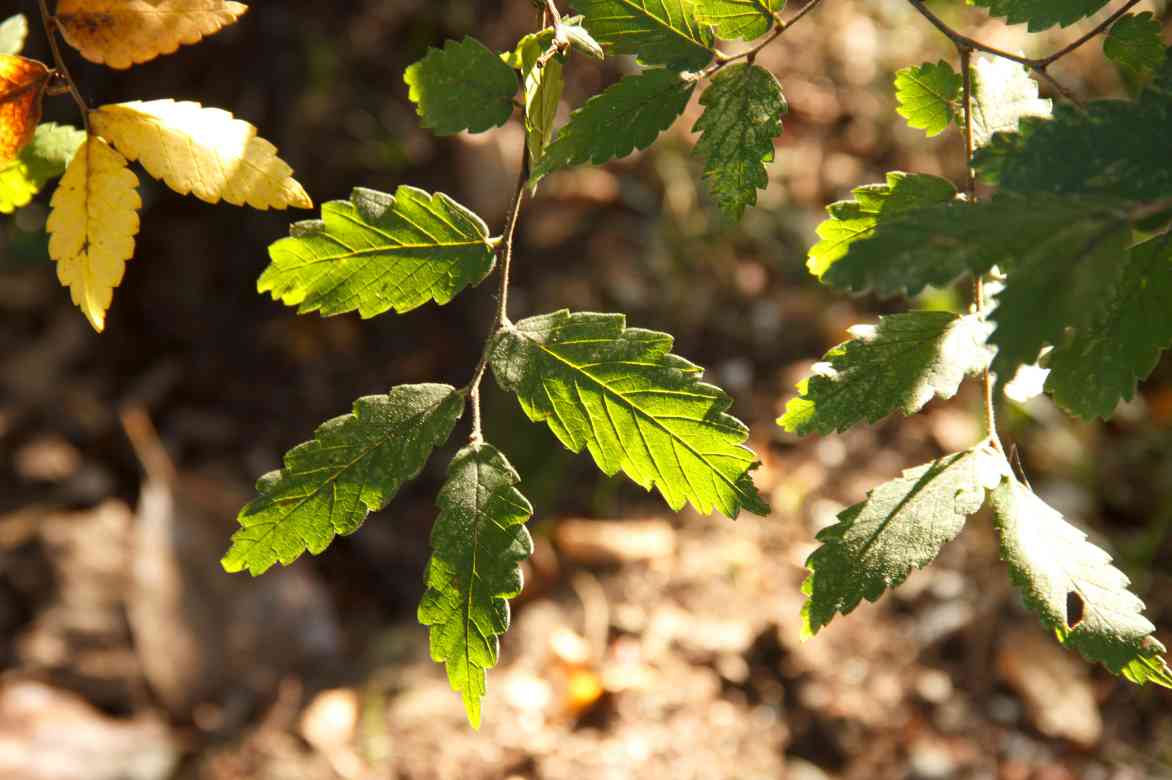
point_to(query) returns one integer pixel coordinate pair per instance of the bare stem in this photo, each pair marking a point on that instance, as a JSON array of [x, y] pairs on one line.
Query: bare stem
[[50, 23], [501, 318], [779, 27]]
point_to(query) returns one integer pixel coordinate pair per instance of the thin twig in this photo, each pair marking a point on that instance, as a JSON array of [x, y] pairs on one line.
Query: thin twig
[[779, 28], [51, 28], [501, 318], [990, 407], [1036, 64]]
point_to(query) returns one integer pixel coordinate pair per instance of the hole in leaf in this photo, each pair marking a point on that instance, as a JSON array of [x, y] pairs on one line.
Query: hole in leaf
[[1074, 609]]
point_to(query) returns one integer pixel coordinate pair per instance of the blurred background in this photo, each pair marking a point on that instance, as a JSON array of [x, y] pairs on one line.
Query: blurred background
[[646, 644]]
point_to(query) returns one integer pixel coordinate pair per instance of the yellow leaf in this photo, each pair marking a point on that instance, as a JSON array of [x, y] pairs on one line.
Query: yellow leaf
[[92, 226], [203, 151], [121, 33]]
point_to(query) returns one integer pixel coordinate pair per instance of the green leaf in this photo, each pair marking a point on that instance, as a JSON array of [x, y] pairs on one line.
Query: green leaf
[[1073, 267], [478, 541], [900, 365], [629, 115], [354, 465], [1042, 14], [620, 393], [871, 245], [738, 19], [853, 221], [13, 32], [660, 32], [45, 158], [463, 86], [1073, 587], [927, 96], [1003, 93], [377, 252], [742, 116], [1135, 43], [543, 90], [901, 526], [1113, 147], [1102, 361]]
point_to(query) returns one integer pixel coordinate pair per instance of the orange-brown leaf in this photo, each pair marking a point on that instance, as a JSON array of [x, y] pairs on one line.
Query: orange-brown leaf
[[22, 87], [122, 33]]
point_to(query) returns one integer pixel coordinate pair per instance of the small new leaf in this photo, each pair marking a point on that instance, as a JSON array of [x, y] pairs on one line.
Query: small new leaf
[[478, 541], [377, 252], [1042, 14], [928, 95], [354, 465], [1135, 43], [738, 19], [742, 117], [901, 526], [620, 393], [47, 157], [22, 89], [202, 151], [543, 85], [13, 32], [462, 86], [1003, 93], [92, 226], [629, 115], [1100, 362], [660, 32], [122, 33], [1050, 561], [900, 365]]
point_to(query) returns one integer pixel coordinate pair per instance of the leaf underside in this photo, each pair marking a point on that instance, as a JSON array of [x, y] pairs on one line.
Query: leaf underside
[[660, 32], [741, 119], [377, 252], [354, 465], [621, 394], [901, 526], [478, 541], [900, 365], [1053, 564]]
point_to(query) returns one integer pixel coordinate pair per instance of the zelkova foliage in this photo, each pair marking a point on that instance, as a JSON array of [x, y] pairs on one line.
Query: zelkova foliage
[[194, 150], [1068, 255]]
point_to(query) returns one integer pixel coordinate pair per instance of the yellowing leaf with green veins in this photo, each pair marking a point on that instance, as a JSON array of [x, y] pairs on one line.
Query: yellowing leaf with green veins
[[202, 151], [45, 158], [13, 32], [92, 226], [901, 364], [354, 465], [478, 541], [620, 393], [1003, 93], [377, 252], [1073, 587], [122, 33], [738, 19], [927, 96], [901, 526]]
